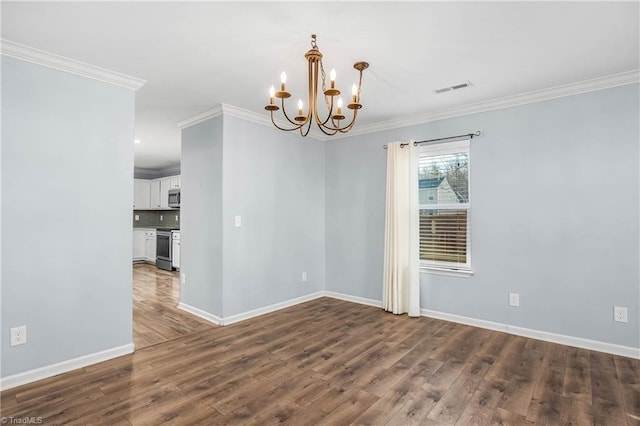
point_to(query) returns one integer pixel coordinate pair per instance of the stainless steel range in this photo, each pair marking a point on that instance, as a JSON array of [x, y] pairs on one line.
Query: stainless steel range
[[163, 249]]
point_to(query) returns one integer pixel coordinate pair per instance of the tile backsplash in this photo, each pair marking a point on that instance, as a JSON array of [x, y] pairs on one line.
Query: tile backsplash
[[157, 219]]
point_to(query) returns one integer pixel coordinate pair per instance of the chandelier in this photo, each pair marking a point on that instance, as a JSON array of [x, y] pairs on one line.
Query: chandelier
[[333, 123]]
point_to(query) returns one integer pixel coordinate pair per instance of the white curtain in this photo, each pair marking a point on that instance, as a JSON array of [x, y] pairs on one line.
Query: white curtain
[[401, 285]]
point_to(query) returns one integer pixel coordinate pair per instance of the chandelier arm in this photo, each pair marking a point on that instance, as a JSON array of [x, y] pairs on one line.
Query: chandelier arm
[[321, 124], [330, 108], [346, 128], [306, 132], [310, 91], [314, 92], [283, 128], [284, 111], [353, 121], [328, 133]]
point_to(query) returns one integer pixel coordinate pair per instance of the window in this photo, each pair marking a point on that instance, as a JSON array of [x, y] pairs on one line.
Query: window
[[443, 185]]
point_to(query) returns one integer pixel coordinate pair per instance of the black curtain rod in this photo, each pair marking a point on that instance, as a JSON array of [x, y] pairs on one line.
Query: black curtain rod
[[469, 135]]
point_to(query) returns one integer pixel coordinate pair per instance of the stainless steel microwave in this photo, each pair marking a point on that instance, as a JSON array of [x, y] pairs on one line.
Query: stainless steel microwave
[[174, 198]]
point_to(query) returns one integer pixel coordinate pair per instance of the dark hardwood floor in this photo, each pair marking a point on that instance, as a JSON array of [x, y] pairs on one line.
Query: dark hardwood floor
[[336, 363], [156, 318]]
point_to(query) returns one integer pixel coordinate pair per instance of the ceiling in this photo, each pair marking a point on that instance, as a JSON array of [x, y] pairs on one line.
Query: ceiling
[[197, 55]]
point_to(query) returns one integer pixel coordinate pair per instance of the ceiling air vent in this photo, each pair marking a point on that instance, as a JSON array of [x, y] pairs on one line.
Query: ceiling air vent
[[454, 87]]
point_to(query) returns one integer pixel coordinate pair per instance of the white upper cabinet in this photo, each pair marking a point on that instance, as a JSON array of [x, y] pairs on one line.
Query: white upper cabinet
[[174, 182], [141, 194], [153, 194], [165, 186]]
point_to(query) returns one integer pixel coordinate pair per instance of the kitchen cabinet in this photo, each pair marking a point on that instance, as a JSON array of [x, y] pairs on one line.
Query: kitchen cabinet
[[139, 244], [174, 182], [141, 194], [150, 238], [165, 186], [155, 194], [144, 244], [175, 249]]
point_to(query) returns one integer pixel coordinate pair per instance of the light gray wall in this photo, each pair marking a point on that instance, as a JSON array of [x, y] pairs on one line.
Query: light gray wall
[[554, 215], [67, 170], [201, 216], [275, 182]]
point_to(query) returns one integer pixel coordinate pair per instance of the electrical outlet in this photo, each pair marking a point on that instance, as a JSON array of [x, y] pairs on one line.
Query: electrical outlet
[[19, 335], [304, 277], [176, 218], [514, 299], [619, 314], [161, 218], [238, 221], [137, 217], [183, 280]]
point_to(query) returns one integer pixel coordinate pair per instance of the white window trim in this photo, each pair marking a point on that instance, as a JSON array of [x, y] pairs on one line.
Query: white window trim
[[451, 272], [444, 268]]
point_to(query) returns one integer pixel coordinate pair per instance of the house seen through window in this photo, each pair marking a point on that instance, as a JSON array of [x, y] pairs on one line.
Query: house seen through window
[[443, 185]]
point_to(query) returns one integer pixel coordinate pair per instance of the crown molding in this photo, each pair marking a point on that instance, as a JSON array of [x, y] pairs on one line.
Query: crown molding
[[199, 118], [615, 80], [592, 85], [265, 120], [241, 113], [31, 54]]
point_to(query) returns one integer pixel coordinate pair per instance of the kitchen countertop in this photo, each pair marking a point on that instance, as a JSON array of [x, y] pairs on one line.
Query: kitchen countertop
[[155, 228]]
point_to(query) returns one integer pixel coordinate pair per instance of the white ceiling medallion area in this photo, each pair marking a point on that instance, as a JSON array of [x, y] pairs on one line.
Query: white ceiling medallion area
[[592, 85], [30, 54]]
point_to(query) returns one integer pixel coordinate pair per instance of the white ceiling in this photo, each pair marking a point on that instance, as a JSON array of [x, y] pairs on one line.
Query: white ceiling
[[197, 55]]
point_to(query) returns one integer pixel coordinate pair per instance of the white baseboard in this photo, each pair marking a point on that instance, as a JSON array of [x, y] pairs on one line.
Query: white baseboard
[[200, 313], [490, 325], [64, 366], [248, 314], [354, 299], [578, 342], [271, 308]]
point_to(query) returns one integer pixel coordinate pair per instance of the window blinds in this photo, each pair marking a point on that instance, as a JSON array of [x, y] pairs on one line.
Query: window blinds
[[443, 185]]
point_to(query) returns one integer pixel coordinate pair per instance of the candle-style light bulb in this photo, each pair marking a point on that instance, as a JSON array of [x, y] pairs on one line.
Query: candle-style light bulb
[[283, 80], [354, 92], [272, 93], [300, 105], [339, 106], [332, 77]]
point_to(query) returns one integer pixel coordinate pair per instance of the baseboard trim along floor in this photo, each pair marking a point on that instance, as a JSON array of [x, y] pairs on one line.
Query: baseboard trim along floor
[[72, 364], [64, 366], [249, 314], [578, 342]]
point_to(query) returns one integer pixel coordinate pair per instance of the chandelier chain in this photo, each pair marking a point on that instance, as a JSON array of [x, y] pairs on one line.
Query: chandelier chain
[[324, 86]]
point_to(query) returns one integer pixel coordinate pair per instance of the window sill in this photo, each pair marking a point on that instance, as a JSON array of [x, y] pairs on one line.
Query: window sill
[[465, 273]]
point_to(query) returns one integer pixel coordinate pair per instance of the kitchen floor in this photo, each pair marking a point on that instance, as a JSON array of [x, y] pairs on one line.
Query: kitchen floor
[[156, 318]]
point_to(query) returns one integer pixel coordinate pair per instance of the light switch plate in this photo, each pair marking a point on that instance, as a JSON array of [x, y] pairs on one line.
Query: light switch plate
[[238, 221]]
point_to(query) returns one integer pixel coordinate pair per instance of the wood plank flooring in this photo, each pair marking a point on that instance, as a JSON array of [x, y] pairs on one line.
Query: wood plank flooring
[[156, 318], [337, 363]]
